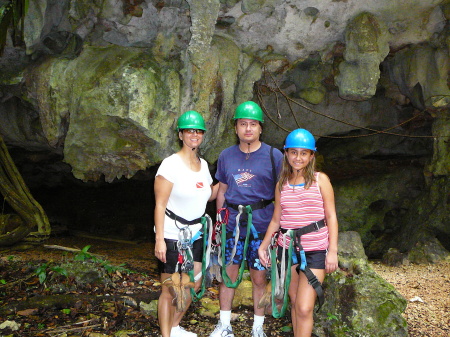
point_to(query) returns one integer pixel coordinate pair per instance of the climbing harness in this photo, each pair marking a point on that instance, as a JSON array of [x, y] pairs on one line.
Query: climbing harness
[[184, 245], [236, 233], [279, 278]]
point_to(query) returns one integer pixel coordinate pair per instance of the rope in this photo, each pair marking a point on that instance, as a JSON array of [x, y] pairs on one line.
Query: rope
[[289, 100]]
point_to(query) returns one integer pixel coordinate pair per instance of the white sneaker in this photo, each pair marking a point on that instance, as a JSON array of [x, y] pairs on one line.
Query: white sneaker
[[222, 331], [178, 331], [258, 332]]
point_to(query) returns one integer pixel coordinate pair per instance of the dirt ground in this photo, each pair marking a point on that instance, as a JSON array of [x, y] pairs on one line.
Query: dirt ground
[[426, 287]]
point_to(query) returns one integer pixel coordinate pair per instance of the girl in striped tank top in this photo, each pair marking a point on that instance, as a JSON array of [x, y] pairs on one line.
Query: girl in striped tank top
[[303, 196]]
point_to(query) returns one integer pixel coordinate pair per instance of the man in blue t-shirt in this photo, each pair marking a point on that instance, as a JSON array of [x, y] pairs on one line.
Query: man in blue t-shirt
[[247, 175]]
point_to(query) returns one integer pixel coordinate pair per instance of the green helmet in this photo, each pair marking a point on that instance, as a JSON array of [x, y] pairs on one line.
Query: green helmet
[[191, 120], [249, 110]]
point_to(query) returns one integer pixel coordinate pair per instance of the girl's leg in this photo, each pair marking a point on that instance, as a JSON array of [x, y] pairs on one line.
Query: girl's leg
[[305, 298], [293, 293]]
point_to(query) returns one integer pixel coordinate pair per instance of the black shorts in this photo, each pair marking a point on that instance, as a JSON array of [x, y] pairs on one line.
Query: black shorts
[[314, 259], [172, 255]]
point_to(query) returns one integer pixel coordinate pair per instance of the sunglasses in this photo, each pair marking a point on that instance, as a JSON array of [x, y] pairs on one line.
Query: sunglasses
[[192, 131]]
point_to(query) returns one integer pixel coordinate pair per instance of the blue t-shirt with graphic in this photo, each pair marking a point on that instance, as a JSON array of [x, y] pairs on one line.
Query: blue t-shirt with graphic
[[249, 180]]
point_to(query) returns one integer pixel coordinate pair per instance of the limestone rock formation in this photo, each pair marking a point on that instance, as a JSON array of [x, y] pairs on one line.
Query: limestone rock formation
[[358, 301], [101, 84], [366, 47]]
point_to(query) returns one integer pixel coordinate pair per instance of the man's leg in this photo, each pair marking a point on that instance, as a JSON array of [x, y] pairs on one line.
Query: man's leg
[[259, 283]]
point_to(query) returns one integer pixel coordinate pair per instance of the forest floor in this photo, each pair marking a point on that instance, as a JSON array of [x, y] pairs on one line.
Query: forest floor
[[426, 287]]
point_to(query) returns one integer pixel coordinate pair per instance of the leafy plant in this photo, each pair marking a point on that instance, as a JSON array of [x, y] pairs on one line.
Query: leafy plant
[[84, 255], [112, 269], [2, 281], [43, 269], [331, 317], [41, 272]]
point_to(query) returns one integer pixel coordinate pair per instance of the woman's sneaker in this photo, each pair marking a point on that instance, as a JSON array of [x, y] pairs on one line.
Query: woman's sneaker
[[222, 331], [178, 331]]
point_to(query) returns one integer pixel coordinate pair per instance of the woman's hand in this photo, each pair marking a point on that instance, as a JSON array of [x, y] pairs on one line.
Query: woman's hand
[[160, 250]]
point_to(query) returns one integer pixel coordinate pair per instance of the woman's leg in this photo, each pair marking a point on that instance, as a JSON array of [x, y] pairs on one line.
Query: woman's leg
[[166, 309], [178, 316]]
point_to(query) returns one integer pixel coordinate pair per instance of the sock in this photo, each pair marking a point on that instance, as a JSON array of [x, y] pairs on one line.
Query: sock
[[257, 321], [225, 317]]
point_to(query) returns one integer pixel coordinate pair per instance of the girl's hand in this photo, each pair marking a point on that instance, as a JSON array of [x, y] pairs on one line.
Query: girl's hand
[[160, 250], [331, 262]]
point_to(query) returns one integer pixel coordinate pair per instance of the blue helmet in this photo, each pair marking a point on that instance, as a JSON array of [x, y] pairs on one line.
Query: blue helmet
[[300, 138]]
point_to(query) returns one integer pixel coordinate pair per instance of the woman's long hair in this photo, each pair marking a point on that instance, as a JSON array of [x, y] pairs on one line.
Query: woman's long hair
[[286, 171]]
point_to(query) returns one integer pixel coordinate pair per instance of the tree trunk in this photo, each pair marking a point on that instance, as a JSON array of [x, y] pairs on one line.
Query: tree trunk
[[19, 197]]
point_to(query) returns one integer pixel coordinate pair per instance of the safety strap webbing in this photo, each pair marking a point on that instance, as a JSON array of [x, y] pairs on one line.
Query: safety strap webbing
[[280, 281], [207, 232], [226, 278]]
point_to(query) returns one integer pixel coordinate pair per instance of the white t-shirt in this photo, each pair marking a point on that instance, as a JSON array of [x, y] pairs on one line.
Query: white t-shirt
[[190, 193]]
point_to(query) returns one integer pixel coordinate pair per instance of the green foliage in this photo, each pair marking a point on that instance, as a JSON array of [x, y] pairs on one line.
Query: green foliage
[[41, 272], [12, 14], [65, 311], [2, 281], [112, 269], [84, 256], [44, 268], [331, 317]]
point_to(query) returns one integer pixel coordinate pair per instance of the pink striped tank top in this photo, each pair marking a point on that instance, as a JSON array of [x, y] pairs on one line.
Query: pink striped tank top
[[299, 208]]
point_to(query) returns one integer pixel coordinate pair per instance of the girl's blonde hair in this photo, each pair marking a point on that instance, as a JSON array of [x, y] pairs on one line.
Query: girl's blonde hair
[[286, 171]]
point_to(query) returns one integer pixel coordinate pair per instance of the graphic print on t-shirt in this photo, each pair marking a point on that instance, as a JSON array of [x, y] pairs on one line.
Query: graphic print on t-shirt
[[242, 179], [199, 184]]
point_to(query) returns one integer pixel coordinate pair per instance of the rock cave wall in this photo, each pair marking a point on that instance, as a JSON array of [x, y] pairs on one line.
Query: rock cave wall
[[89, 101]]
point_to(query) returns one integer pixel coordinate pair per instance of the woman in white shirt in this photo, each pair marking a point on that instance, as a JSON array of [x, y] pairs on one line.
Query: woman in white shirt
[[183, 186]]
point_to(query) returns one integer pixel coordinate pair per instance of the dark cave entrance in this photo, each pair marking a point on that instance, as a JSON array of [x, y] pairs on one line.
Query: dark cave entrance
[[122, 209]]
